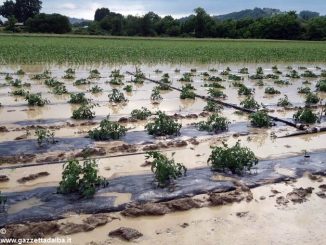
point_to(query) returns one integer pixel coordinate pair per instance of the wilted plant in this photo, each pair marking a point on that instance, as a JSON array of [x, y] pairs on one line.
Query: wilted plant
[[96, 89], [211, 106], [187, 93], [165, 170], [163, 125], [45, 75], [78, 98], [284, 102], [236, 159], [156, 95], [20, 72], [214, 123], [81, 81], [107, 131], [187, 77]]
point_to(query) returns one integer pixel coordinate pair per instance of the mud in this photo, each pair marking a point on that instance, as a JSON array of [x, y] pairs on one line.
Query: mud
[[126, 233]]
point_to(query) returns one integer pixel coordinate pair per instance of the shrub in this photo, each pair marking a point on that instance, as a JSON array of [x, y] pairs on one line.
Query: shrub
[[187, 93], [187, 77], [165, 170], [284, 102], [128, 88], [78, 98], [321, 86], [305, 115], [81, 81], [141, 114], [60, 89], [44, 136], [35, 99], [116, 96], [271, 90], [214, 123], [107, 131], [211, 106], [260, 119], [312, 98], [81, 179], [49, 23], [84, 112], [304, 90], [96, 89], [163, 125], [250, 103], [235, 159]]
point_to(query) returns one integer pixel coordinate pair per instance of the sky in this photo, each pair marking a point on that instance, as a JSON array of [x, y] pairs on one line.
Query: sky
[[177, 8]]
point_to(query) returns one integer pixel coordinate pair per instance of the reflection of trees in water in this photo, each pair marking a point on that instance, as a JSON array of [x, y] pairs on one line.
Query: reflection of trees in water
[[187, 103], [116, 108], [260, 138]]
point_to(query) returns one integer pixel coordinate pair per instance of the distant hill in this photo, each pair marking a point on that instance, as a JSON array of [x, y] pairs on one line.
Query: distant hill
[[255, 13], [75, 21]]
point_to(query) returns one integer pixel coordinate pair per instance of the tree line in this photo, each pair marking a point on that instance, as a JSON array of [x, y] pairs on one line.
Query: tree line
[[288, 25]]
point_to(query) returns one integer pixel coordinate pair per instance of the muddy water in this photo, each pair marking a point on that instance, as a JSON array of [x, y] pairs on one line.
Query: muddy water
[[292, 224]]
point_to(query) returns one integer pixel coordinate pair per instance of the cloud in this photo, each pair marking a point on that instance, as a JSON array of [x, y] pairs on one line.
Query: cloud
[[70, 6]]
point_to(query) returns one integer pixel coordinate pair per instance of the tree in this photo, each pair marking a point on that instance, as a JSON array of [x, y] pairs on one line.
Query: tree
[[148, 23], [316, 28], [49, 23], [10, 24], [21, 9], [7, 9], [307, 15], [101, 13]]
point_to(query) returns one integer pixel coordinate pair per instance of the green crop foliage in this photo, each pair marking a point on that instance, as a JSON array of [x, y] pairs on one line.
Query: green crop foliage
[[52, 82], [211, 106], [214, 123], [321, 86], [216, 93], [20, 72], [260, 119], [272, 76], [117, 97], [244, 70], [243, 90], [44, 136], [309, 74], [312, 98], [271, 90], [163, 125], [293, 74], [128, 88], [234, 77], [304, 90], [284, 102], [19, 92], [45, 75], [107, 131], [96, 89], [213, 79], [116, 74], [282, 82], [305, 115], [250, 103], [84, 112], [156, 95], [35, 99], [186, 77], [236, 159], [165, 170], [187, 93], [116, 81], [214, 85], [141, 114], [60, 89], [88, 49], [81, 81], [78, 98], [82, 179]]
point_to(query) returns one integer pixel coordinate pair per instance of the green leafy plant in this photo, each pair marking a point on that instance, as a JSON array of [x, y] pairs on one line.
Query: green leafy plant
[[69, 76], [84, 112], [186, 77], [282, 82], [128, 88], [35, 99], [272, 76], [78, 98], [284, 102], [214, 92], [96, 89], [141, 114], [70, 71], [212, 106], [244, 90], [234, 77], [20, 72], [305, 115], [304, 90], [44, 136], [81, 81], [116, 96], [244, 70], [19, 92], [165, 170], [250, 103], [116, 74], [259, 70], [293, 74], [107, 131], [321, 86], [52, 82], [163, 125], [60, 89], [214, 123], [309, 74], [156, 95], [236, 159], [45, 75], [116, 81], [81, 179], [271, 90], [312, 98], [213, 85], [260, 119], [187, 93], [213, 79]]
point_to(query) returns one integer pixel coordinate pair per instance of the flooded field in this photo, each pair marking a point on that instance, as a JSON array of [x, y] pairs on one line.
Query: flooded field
[[31, 171]]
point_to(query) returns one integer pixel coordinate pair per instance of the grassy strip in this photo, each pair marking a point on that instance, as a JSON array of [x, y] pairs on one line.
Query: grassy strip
[[25, 49]]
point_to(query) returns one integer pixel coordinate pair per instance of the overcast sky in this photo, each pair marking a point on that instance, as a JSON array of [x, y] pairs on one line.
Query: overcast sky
[[177, 8]]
